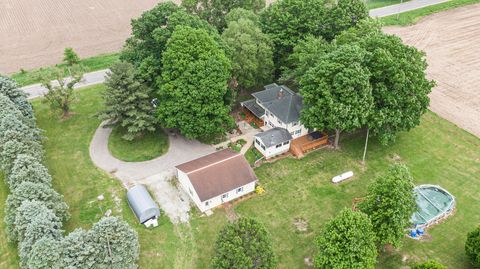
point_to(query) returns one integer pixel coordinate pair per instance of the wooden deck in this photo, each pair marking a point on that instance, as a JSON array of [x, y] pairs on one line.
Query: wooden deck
[[304, 144]]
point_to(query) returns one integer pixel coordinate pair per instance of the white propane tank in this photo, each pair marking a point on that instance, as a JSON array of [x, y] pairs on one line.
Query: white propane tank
[[342, 177]]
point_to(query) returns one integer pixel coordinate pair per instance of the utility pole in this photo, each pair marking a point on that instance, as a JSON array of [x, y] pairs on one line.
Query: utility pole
[[365, 149]]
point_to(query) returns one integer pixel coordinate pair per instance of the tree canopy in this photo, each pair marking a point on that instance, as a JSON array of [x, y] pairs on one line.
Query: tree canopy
[[150, 33], [346, 242], [214, 11], [244, 244], [336, 91], [400, 87], [128, 102], [289, 21], [250, 53], [194, 84], [472, 246], [390, 203]]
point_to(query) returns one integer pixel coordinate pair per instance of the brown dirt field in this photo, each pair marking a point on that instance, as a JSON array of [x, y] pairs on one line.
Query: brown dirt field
[[34, 33], [451, 40]]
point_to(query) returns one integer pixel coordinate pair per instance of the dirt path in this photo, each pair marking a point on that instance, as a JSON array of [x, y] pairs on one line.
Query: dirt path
[[451, 40], [34, 33]]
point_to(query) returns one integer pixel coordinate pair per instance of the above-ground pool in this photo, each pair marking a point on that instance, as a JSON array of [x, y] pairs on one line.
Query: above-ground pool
[[434, 203]]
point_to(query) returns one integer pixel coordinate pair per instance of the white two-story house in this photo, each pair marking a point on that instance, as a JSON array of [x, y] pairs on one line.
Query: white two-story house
[[278, 109]]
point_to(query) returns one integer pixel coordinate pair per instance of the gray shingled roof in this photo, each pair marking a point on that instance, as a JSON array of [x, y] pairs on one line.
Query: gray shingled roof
[[254, 108], [274, 136], [281, 102]]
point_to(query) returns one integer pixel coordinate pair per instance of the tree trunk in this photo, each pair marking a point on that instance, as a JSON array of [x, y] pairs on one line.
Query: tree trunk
[[337, 138]]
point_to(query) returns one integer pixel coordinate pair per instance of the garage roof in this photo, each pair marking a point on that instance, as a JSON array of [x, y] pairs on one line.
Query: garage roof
[[218, 173]]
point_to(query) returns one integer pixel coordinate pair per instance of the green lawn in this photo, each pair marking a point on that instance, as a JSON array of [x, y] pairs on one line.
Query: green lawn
[[437, 152], [99, 62], [148, 147], [411, 17], [371, 4]]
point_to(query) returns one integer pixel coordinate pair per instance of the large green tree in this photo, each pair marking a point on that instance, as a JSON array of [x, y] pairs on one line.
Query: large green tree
[[244, 244], [305, 55], [343, 15], [128, 102], [472, 246], [250, 53], [150, 33], [214, 11], [194, 85], [390, 203], [289, 21], [346, 242], [400, 87], [336, 91]]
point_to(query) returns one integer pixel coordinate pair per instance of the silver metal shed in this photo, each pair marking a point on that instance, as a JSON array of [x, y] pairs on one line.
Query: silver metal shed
[[142, 203]]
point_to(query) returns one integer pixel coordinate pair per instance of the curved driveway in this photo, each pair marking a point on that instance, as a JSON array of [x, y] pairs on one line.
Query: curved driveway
[[180, 150]]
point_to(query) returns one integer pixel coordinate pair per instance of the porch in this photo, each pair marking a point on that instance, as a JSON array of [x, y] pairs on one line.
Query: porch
[[253, 112], [306, 143]]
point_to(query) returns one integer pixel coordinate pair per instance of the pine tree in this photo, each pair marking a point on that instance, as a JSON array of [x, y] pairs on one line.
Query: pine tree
[[128, 102]]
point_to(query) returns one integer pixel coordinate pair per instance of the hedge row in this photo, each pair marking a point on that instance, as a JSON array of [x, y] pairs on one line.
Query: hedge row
[[34, 211]]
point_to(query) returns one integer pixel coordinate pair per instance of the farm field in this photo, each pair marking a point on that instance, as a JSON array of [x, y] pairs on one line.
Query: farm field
[[450, 39], [437, 152], [34, 33]]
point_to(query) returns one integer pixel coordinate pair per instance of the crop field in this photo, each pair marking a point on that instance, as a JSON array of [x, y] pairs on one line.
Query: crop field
[[34, 33], [451, 39]]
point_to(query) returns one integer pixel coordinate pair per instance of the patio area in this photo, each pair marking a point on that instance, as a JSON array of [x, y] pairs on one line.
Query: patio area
[[300, 146]]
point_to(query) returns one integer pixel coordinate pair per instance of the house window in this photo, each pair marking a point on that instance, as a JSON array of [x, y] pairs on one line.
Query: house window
[[225, 195], [263, 147], [239, 189], [279, 121], [286, 143], [279, 145], [294, 123], [292, 133], [257, 142], [190, 190], [207, 203], [297, 132]]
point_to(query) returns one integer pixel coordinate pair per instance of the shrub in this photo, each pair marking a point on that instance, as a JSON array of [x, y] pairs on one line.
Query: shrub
[[472, 246], [28, 168], [8, 87], [29, 212], [34, 192], [114, 234], [78, 250], [11, 149], [45, 253], [429, 265]]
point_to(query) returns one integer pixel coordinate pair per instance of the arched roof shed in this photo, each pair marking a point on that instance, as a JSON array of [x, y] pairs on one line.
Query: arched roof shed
[[142, 203]]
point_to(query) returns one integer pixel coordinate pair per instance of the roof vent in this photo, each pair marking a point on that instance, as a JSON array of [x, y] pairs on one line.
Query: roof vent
[[280, 93]]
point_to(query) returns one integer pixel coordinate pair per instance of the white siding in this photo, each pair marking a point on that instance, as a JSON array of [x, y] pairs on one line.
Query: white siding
[[213, 202], [271, 151], [296, 130]]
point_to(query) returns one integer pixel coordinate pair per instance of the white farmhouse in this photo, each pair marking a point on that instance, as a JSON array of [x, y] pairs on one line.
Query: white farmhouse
[[277, 106], [216, 178]]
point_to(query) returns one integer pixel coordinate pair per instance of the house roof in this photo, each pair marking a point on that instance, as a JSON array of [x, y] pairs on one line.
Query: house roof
[[281, 102], [218, 173], [142, 203], [274, 136], [252, 105]]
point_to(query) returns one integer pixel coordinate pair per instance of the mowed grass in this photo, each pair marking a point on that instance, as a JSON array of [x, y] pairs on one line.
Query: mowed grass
[[371, 4], [411, 17], [437, 152], [99, 62], [147, 147]]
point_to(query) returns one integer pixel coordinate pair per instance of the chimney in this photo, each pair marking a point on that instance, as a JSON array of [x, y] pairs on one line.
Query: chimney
[[280, 93]]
